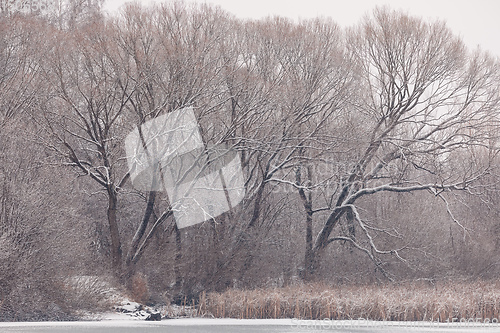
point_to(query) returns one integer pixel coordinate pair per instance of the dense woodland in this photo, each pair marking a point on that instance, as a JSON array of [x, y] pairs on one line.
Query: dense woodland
[[369, 152]]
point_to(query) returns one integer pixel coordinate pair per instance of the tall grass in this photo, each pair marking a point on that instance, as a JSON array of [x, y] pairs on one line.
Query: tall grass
[[395, 302]]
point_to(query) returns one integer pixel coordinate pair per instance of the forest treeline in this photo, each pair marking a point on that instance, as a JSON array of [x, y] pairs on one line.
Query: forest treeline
[[369, 152]]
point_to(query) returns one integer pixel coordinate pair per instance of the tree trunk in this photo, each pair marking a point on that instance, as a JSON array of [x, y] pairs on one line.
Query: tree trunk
[[307, 202], [116, 248], [257, 203], [322, 240], [178, 259], [309, 255], [248, 236], [142, 229]]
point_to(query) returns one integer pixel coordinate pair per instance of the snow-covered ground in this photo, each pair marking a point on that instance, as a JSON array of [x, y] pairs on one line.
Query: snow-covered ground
[[123, 323]]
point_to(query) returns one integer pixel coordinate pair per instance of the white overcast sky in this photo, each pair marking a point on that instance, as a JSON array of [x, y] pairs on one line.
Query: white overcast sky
[[476, 21]]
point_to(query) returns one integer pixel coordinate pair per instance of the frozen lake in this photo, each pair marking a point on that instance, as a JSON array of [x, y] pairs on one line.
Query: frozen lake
[[246, 325]]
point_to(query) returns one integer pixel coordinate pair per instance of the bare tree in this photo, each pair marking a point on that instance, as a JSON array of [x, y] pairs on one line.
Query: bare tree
[[423, 99], [285, 85], [85, 116], [33, 204], [397, 100], [109, 79]]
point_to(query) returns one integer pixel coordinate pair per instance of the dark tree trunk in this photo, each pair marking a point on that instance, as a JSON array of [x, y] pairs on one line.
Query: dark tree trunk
[[116, 248], [178, 259], [248, 236], [322, 242], [142, 229], [307, 202]]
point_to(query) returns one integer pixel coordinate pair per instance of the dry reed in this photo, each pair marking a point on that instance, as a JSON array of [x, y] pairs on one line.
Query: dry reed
[[394, 302]]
